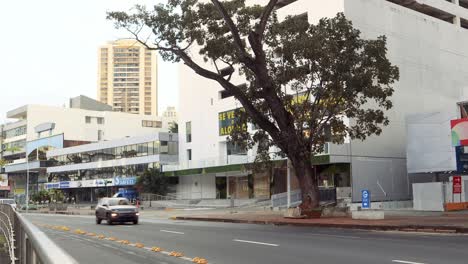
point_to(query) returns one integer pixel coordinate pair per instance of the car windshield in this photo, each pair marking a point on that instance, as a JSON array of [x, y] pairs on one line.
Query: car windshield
[[8, 201], [113, 202]]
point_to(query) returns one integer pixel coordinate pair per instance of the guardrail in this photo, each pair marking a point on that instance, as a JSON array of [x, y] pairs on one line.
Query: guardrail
[[26, 243]]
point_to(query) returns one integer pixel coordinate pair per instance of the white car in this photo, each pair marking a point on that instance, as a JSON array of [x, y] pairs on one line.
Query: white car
[[11, 202]]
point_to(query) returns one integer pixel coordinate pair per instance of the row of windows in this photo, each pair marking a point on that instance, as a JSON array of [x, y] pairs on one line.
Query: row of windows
[[126, 79], [14, 146], [126, 84], [15, 132], [117, 65], [126, 60], [130, 151], [126, 69], [126, 54], [99, 120], [102, 173], [149, 123], [134, 49], [124, 74]]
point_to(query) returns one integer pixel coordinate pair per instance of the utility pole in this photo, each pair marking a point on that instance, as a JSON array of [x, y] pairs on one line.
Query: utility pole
[[288, 170]]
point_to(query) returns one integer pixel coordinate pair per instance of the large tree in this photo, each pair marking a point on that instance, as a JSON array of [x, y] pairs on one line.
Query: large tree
[[302, 80]]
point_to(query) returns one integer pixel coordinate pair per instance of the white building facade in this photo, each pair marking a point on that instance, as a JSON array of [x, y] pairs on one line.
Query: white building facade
[[36, 129], [427, 40]]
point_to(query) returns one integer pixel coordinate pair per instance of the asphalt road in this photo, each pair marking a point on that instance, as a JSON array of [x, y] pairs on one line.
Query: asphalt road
[[225, 243]]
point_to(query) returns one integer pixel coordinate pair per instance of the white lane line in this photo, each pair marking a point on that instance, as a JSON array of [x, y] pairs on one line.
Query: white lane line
[[255, 242], [406, 262], [173, 232]]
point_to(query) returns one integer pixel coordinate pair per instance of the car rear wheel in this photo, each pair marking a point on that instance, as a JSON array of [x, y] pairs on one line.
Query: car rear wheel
[[98, 220]]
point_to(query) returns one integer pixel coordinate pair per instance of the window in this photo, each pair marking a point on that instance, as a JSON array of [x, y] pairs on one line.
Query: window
[[235, 149], [100, 120], [15, 132], [173, 148], [100, 135], [163, 148], [88, 120], [188, 131], [149, 123], [189, 154]]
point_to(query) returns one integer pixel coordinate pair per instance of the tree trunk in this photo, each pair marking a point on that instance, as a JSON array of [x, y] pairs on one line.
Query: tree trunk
[[308, 183]]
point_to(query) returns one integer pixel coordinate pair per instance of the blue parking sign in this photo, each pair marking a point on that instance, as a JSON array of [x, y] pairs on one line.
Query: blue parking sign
[[366, 199]]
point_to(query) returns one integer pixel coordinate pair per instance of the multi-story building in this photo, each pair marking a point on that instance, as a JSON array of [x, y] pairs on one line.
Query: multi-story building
[[127, 77], [90, 171], [38, 129], [427, 40], [170, 112]]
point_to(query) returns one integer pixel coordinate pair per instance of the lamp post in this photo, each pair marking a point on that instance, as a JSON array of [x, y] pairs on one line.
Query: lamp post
[[27, 184]]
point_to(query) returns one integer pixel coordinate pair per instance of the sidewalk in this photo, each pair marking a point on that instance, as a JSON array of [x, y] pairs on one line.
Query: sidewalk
[[447, 223]]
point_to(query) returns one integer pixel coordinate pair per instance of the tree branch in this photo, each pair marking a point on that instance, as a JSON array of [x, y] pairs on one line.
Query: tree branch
[[245, 57], [256, 116], [265, 15]]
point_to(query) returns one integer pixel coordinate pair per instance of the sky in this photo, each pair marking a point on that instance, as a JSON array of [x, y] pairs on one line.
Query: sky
[[49, 51]]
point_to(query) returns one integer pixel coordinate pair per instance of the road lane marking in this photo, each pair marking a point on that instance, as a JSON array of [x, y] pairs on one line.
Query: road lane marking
[[406, 262], [255, 242], [173, 232]]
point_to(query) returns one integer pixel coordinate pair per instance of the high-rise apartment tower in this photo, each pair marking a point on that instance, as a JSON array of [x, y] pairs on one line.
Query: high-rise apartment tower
[[127, 77]]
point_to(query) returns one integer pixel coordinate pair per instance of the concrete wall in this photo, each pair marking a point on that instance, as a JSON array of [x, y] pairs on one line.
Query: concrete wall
[[197, 187], [429, 147], [433, 61], [84, 102], [385, 178], [428, 196]]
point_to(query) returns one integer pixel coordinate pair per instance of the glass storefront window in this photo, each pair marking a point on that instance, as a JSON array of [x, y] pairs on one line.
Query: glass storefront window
[[130, 151]]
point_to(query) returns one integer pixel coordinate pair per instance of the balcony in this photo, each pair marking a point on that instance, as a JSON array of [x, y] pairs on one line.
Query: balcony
[[23, 166], [18, 113]]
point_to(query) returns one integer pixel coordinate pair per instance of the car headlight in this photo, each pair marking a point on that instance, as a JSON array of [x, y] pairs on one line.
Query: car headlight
[[114, 214], [137, 213]]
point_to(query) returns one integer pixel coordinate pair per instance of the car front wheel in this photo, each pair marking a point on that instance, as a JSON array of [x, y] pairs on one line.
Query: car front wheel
[[135, 222], [98, 220], [109, 221]]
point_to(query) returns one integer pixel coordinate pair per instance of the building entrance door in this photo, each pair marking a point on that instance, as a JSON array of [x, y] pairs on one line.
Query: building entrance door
[[221, 187]]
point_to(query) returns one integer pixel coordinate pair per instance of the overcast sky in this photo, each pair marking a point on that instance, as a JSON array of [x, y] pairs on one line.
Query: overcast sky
[[49, 51]]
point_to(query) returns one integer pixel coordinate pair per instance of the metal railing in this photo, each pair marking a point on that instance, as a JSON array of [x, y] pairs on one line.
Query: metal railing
[[26, 243], [327, 196]]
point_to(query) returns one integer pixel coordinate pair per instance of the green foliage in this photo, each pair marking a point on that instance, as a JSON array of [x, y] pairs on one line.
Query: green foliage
[[153, 181], [41, 196], [3, 163], [56, 194], [174, 128]]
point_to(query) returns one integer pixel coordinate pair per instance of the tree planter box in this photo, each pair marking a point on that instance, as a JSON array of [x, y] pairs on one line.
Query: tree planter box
[[313, 213]]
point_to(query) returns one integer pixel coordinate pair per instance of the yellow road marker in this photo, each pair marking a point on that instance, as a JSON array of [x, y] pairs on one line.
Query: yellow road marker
[[156, 249]]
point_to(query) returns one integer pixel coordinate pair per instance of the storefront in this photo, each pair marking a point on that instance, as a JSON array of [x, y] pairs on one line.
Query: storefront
[[89, 191]]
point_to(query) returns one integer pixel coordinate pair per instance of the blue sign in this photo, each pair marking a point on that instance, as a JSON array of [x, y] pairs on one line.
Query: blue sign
[[366, 199], [52, 185], [64, 185], [125, 181]]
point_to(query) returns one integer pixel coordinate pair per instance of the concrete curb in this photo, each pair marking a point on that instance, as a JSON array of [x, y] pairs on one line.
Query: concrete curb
[[401, 228]]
